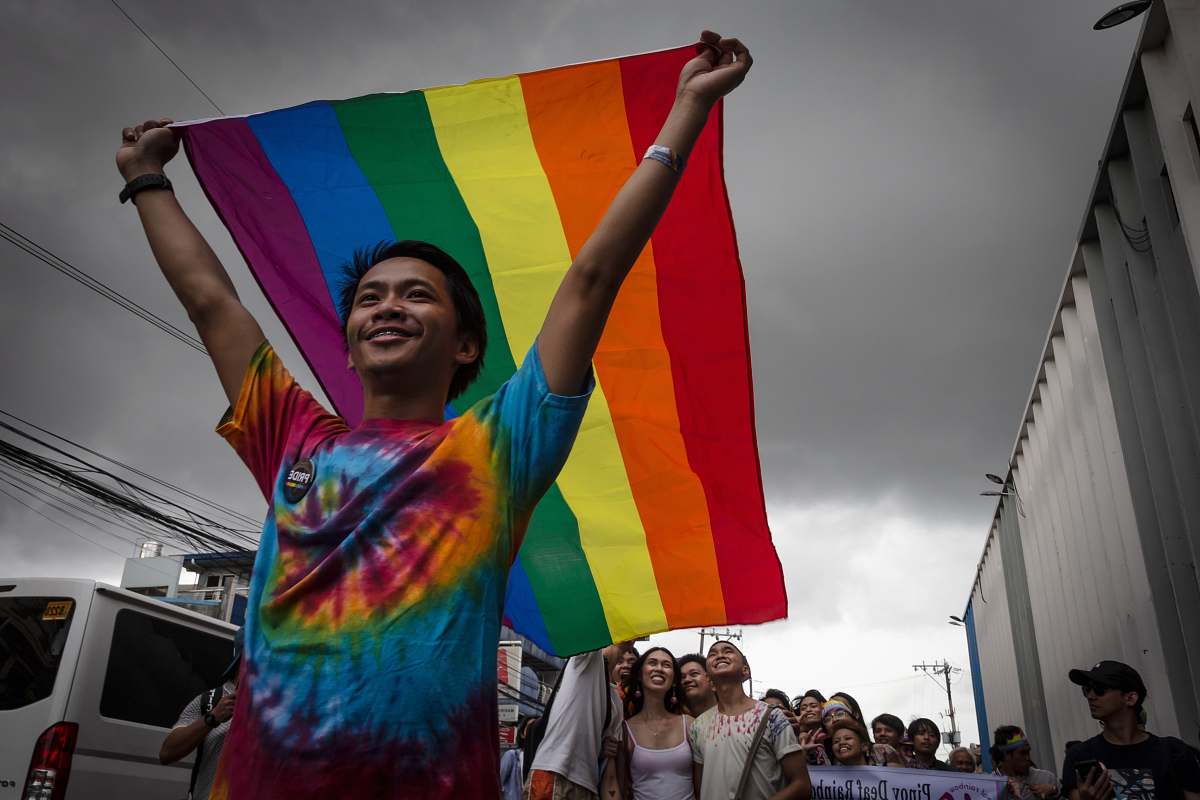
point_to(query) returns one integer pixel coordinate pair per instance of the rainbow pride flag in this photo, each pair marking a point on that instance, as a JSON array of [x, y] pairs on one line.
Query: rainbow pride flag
[[658, 520]]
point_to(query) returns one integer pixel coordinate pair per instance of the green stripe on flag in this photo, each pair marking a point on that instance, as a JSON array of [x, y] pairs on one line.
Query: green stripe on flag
[[391, 137]]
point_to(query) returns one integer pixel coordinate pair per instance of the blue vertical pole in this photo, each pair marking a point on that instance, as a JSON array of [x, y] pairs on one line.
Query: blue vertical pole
[[977, 686]]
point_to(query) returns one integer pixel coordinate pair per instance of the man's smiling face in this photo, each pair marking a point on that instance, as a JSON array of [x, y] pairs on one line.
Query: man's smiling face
[[625, 665], [403, 323], [726, 661], [694, 682]]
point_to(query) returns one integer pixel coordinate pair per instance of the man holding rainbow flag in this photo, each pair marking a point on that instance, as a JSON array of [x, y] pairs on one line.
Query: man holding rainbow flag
[[369, 665]]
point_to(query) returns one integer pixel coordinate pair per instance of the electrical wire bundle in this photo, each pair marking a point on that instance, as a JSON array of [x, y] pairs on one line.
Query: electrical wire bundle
[[1138, 238], [45, 477], [53, 261]]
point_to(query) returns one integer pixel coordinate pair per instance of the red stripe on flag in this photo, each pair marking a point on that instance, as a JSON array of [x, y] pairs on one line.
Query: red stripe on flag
[[702, 305]]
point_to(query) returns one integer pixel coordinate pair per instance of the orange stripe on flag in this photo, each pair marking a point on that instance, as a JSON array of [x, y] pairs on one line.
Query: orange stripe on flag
[[577, 116]]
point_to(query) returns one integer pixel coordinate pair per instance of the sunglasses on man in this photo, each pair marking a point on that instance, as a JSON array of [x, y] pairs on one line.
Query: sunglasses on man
[[1096, 689]]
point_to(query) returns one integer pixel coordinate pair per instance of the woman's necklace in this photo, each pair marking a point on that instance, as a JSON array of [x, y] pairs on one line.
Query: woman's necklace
[[659, 728]]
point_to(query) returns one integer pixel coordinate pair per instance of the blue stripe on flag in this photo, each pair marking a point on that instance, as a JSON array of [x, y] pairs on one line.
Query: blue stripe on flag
[[340, 209], [521, 607]]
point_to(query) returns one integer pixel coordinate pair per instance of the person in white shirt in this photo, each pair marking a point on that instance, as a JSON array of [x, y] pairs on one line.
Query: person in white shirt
[[584, 712], [722, 737]]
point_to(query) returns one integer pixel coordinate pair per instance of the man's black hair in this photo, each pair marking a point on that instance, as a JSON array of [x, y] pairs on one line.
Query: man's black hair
[[745, 660], [999, 737], [923, 724], [467, 306], [778, 694], [813, 693], [891, 722], [693, 658]]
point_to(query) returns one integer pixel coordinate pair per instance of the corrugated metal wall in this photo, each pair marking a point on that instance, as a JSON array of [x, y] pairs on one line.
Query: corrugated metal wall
[[1082, 553], [994, 641], [1102, 564]]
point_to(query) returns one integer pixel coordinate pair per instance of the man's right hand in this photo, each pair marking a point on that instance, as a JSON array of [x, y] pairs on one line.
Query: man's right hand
[[1095, 785], [223, 710], [195, 273], [146, 148]]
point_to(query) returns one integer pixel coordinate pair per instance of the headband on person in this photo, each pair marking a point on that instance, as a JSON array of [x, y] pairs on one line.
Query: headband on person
[[832, 705], [1014, 742]]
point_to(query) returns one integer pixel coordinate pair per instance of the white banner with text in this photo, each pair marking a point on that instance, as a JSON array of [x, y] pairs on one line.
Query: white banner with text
[[891, 783]]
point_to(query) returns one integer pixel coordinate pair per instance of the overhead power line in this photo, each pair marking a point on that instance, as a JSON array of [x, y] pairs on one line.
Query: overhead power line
[[180, 69], [53, 521], [237, 515], [50, 259], [148, 512], [161, 525]]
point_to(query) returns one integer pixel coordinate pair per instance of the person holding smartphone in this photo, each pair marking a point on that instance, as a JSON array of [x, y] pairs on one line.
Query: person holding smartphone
[[1125, 760]]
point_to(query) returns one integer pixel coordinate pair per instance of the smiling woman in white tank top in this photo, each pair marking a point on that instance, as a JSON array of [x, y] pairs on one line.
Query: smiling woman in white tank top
[[655, 758]]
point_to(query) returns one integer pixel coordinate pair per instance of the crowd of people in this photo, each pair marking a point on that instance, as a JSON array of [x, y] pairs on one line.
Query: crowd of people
[[624, 725], [399, 561]]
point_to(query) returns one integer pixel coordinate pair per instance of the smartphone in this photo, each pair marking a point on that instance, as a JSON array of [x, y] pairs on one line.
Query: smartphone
[[1084, 768]]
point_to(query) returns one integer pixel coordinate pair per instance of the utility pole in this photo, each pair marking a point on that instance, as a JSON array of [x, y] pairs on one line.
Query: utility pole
[[716, 635], [945, 670]]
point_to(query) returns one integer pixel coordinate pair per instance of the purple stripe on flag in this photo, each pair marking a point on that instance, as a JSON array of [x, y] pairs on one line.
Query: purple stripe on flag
[[259, 212]]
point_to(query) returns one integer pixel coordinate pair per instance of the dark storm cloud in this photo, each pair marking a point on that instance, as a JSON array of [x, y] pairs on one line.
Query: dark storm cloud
[[906, 178]]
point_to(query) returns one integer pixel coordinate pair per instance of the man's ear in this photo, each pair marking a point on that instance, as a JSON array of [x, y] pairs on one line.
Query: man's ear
[[349, 348], [468, 349]]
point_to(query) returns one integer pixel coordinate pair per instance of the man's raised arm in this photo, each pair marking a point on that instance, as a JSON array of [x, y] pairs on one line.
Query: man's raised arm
[[189, 264], [580, 308]]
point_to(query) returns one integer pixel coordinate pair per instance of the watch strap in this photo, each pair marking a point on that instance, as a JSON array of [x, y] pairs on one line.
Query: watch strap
[[210, 720], [153, 180]]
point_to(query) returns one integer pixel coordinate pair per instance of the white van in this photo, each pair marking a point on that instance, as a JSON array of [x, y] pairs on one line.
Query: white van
[[92, 677]]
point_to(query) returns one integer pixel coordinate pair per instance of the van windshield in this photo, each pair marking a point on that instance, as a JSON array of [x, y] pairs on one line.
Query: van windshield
[[33, 631]]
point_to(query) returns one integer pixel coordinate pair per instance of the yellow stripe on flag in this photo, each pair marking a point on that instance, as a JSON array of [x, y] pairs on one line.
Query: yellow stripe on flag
[[484, 136]]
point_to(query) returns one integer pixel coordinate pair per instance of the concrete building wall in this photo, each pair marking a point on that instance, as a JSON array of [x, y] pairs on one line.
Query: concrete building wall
[[1106, 463]]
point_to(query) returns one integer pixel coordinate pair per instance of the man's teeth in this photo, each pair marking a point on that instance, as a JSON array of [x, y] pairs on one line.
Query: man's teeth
[[388, 332]]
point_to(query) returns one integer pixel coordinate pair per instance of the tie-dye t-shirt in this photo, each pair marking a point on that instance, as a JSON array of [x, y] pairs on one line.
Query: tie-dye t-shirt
[[374, 609]]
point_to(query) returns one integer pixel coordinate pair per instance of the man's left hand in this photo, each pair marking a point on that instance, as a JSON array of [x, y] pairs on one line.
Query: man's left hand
[[720, 68], [610, 747]]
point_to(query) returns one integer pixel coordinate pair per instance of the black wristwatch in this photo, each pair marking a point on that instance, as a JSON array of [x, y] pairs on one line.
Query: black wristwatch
[[153, 180], [210, 720]]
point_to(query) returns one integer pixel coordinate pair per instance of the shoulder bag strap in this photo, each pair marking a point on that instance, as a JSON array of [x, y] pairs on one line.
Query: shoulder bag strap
[[537, 731], [208, 702], [758, 737]]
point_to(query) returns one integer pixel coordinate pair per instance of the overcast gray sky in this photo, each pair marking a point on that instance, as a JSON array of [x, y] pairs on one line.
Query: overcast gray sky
[[907, 180]]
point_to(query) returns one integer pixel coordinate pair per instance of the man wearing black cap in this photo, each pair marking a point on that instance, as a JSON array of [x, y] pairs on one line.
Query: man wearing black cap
[[1124, 760], [202, 726]]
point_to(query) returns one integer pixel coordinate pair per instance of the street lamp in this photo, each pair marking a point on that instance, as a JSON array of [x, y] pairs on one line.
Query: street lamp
[[1009, 490], [1120, 14]]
